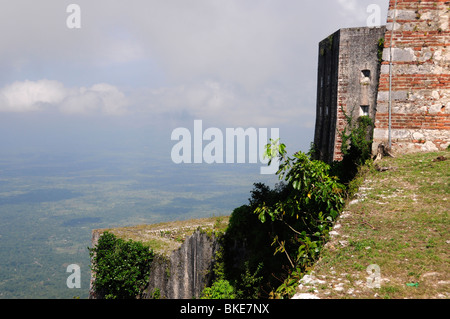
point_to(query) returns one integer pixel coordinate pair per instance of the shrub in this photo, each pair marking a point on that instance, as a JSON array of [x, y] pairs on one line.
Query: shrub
[[356, 147], [121, 268], [311, 203], [249, 285], [247, 259], [220, 289]]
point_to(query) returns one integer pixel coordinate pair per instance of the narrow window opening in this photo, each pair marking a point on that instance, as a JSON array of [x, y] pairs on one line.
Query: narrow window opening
[[365, 74], [364, 110], [364, 93]]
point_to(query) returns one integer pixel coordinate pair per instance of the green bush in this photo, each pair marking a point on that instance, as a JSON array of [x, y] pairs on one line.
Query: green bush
[[280, 233], [220, 289], [311, 203], [356, 147], [249, 285], [247, 258], [121, 268]]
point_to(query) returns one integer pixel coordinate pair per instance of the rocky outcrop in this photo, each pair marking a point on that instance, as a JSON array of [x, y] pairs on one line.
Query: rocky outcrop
[[186, 272], [181, 274]]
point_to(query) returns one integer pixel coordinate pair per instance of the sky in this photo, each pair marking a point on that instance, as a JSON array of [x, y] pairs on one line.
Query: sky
[[131, 72]]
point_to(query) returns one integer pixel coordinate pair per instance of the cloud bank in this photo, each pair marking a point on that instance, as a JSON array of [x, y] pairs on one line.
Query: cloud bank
[[227, 62], [45, 95]]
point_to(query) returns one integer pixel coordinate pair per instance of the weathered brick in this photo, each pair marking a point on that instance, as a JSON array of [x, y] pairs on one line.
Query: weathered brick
[[419, 41]]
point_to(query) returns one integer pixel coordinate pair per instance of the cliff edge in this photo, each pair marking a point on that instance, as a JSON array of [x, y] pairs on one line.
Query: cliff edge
[[184, 260]]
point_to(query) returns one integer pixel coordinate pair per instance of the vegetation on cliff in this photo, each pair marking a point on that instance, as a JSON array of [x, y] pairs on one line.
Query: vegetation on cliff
[[271, 242], [121, 267], [282, 231]]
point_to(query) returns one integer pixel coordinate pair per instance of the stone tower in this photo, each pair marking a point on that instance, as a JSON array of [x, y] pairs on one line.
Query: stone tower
[[404, 86], [347, 82]]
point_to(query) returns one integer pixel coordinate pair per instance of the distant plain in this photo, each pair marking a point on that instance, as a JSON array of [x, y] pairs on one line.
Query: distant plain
[[50, 203]]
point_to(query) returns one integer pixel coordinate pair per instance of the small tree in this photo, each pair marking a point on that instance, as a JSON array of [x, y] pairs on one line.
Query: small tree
[[313, 202]]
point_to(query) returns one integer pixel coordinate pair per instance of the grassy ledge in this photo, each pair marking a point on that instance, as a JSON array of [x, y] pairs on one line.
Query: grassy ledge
[[164, 238], [399, 221]]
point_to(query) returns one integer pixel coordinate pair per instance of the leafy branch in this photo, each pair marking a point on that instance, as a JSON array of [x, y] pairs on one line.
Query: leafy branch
[[313, 202]]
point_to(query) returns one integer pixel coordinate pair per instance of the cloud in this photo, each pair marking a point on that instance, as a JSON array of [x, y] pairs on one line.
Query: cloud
[[103, 98], [31, 96], [222, 103], [243, 43], [240, 62], [46, 94], [218, 102], [350, 6]]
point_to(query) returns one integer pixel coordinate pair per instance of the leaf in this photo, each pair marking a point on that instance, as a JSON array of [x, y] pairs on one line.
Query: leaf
[[333, 213], [262, 217]]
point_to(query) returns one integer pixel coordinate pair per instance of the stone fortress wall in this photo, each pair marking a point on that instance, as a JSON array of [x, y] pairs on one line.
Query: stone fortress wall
[[407, 95], [418, 44]]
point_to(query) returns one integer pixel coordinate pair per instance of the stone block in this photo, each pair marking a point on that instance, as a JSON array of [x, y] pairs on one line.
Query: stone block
[[399, 55], [435, 108], [429, 146], [418, 136], [380, 134], [395, 95], [402, 14], [400, 134], [391, 26]]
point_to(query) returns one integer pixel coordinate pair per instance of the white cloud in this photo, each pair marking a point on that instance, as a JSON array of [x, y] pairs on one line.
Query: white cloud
[[46, 94], [30, 96], [243, 62], [104, 98]]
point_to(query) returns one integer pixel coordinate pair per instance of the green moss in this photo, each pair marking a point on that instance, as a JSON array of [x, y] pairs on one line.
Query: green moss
[[380, 49]]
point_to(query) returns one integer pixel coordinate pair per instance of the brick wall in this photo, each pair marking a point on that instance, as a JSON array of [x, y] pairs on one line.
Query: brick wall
[[420, 94]]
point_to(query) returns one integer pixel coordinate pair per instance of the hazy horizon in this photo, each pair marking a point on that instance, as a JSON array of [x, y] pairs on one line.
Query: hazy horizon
[[87, 108]]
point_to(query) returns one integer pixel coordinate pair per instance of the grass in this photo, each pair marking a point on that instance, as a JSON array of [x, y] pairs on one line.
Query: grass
[[399, 221], [166, 237]]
